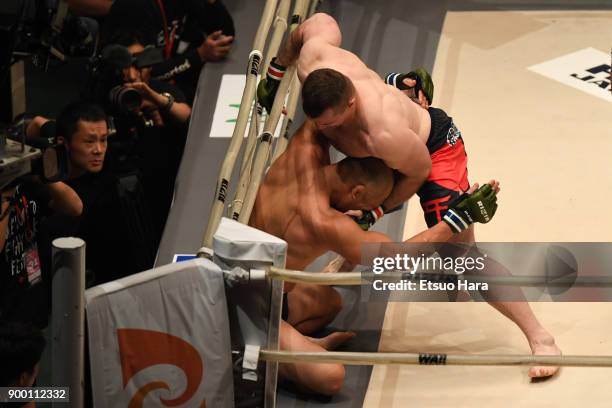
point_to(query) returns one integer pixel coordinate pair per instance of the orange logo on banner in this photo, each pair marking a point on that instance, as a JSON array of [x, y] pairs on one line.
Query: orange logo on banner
[[140, 349]]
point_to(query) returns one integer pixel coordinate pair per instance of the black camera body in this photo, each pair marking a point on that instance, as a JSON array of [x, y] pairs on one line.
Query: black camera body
[[106, 73]]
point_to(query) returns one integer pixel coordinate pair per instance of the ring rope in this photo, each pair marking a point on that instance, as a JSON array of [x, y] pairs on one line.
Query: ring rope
[[356, 358], [365, 278], [248, 95]]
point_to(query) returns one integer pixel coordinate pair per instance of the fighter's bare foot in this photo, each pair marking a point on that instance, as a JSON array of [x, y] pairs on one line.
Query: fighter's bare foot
[[545, 346], [333, 340]]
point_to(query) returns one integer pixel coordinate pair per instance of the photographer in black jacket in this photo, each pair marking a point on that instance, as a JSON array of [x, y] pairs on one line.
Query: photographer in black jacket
[[82, 127], [162, 137], [191, 33]]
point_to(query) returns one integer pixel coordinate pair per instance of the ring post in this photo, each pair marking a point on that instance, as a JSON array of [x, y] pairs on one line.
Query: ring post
[[68, 317], [248, 96]]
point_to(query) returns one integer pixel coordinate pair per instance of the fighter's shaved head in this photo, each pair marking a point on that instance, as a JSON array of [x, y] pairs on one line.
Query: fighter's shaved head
[[373, 173]]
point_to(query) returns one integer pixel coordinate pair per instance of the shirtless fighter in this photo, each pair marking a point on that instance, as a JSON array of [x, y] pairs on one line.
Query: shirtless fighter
[[302, 200], [362, 116]]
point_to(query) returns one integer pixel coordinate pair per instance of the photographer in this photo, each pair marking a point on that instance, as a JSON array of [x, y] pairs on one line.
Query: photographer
[[162, 101], [159, 147], [191, 32], [24, 202], [82, 127]]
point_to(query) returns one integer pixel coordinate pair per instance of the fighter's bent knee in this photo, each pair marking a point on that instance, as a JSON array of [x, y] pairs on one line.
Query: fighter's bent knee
[[333, 380]]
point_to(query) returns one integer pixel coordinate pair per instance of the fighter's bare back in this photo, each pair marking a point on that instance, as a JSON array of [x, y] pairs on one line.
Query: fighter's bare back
[[296, 200]]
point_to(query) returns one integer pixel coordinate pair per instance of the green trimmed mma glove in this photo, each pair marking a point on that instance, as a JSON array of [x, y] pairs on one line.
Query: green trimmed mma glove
[[423, 82], [266, 90], [369, 217], [479, 206]]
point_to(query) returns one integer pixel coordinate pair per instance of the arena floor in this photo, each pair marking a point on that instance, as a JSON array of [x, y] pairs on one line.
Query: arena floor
[[545, 140], [476, 328]]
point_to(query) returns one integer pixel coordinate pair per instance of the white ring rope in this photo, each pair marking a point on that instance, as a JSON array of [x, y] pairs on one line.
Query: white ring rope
[[356, 358]]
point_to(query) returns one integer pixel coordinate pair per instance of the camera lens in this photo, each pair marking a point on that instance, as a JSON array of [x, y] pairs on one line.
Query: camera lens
[[125, 99]]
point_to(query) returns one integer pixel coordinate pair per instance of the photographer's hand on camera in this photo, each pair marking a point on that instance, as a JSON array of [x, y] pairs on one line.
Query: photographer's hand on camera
[[151, 102], [150, 111], [155, 104]]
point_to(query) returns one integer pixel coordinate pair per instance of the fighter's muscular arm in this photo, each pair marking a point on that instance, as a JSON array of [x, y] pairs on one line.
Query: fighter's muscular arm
[[343, 236], [308, 40], [404, 152]]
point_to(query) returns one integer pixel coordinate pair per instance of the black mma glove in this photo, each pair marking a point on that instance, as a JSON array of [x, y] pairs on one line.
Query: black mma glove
[[479, 206], [423, 82]]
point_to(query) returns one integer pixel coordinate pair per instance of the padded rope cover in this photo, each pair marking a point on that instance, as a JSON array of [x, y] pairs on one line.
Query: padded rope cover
[[236, 244]]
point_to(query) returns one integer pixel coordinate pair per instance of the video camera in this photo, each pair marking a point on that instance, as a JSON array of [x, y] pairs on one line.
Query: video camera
[[38, 157]]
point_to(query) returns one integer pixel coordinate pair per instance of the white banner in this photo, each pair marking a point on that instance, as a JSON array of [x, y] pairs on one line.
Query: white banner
[[160, 338]]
